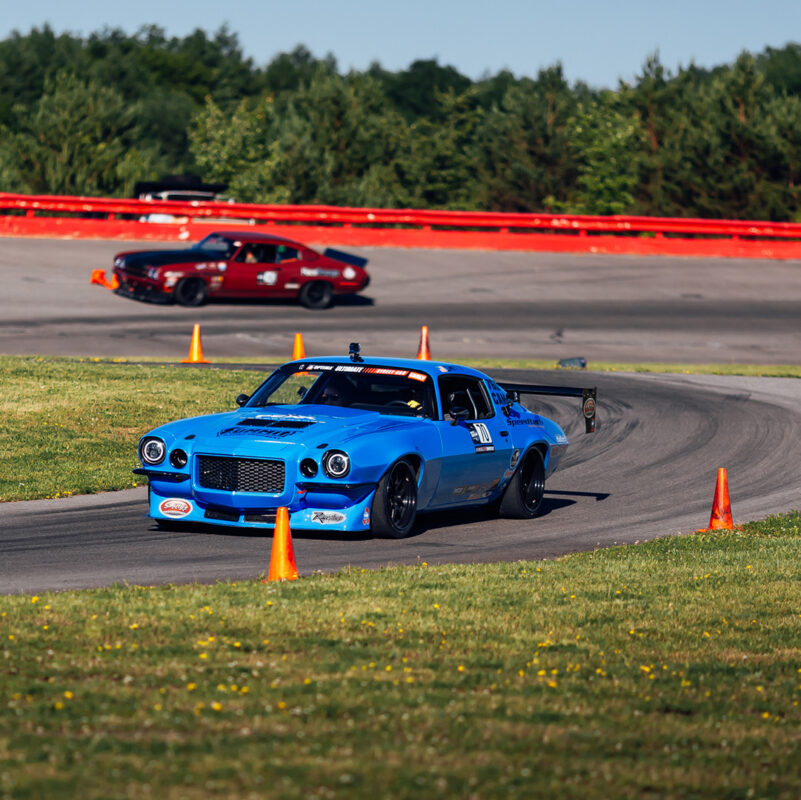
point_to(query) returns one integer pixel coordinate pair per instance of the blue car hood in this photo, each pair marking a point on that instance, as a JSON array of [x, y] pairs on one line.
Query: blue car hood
[[287, 427]]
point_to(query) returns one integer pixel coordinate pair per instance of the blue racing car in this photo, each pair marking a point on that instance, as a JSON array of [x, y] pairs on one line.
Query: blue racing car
[[358, 444]]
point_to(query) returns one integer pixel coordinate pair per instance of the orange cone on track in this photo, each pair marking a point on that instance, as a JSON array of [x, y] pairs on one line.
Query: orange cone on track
[[721, 507], [423, 353], [99, 277], [298, 350], [282, 559], [195, 349]]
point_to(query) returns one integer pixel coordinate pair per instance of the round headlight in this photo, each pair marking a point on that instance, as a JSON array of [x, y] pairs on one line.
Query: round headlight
[[152, 450], [336, 464], [178, 458], [308, 467]]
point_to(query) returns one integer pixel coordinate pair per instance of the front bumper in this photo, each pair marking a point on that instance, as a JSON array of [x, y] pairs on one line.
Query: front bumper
[[345, 507], [141, 288]]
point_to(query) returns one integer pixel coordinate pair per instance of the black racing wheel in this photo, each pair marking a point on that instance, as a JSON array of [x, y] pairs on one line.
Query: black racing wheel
[[190, 292], [395, 502], [522, 498], [316, 294]]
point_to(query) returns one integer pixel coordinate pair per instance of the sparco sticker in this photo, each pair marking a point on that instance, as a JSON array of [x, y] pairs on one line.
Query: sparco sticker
[[175, 507], [328, 517]]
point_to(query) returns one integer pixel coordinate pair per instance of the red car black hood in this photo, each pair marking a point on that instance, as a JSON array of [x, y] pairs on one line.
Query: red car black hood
[[160, 258]]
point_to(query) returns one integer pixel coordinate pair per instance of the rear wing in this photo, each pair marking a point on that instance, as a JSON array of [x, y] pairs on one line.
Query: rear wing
[[345, 258], [588, 397]]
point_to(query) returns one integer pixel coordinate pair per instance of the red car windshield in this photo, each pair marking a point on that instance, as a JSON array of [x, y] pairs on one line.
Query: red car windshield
[[221, 245]]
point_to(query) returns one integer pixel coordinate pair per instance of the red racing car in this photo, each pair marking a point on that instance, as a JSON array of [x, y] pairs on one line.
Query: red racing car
[[236, 265]]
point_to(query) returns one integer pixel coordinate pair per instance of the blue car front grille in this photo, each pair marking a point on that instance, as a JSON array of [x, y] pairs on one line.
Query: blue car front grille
[[240, 474]]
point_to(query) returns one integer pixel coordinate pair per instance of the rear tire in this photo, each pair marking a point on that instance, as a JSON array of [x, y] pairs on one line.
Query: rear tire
[[190, 292], [316, 294], [522, 498], [395, 503]]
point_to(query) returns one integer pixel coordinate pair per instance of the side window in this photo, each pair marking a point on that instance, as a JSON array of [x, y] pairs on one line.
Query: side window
[[254, 253], [286, 253], [460, 391]]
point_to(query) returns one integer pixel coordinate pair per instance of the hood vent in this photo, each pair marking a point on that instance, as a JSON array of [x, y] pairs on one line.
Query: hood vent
[[292, 424]]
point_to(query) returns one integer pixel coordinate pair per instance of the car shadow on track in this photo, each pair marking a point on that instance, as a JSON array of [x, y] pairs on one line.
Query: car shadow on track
[[345, 300], [463, 516]]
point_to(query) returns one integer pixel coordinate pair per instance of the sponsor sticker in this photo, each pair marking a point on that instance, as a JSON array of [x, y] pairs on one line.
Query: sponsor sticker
[[589, 407], [327, 517], [485, 448], [267, 278], [175, 507], [417, 376], [479, 433], [366, 516], [318, 272], [401, 373]]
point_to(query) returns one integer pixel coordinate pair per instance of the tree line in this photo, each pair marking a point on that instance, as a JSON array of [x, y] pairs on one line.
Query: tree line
[[93, 116]]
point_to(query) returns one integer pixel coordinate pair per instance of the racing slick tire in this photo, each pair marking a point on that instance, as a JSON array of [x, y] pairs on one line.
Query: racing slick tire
[[395, 503], [316, 294], [522, 498], [190, 292]]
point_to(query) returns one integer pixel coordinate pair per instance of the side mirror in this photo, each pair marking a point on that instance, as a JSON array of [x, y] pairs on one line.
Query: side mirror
[[241, 399]]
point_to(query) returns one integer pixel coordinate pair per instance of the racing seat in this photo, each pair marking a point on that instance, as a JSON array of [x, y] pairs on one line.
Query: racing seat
[[461, 399]]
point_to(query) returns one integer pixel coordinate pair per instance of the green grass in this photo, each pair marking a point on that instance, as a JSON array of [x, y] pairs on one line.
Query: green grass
[[666, 669], [70, 426], [750, 370]]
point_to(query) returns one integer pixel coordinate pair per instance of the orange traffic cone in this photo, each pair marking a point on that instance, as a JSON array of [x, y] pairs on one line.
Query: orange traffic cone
[[195, 349], [721, 507], [99, 277], [423, 353], [282, 559], [298, 351]]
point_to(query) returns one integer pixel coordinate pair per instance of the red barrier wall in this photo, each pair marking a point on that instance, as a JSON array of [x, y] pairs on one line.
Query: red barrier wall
[[109, 218]]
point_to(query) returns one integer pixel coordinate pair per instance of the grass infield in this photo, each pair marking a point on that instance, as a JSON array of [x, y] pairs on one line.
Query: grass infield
[[70, 426], [666, 669]]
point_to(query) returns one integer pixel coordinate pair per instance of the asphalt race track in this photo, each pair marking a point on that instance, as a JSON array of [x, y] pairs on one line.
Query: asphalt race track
[[523, 305], [648, 471]]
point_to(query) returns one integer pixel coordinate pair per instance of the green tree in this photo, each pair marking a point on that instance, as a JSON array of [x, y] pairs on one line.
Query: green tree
[[523, 146], [78, 139], [239, 149], [608, 142]]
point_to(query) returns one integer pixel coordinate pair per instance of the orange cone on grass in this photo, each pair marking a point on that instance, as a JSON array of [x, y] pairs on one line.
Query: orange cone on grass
[[721, 507], [282, 558], [195, 349], [298, 350], [423, 353]]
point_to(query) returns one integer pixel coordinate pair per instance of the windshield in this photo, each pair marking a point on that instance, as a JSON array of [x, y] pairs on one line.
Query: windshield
[[214, 243], [383, 389]]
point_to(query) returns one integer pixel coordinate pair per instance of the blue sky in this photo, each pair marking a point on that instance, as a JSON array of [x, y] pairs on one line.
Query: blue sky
[[597, 42]]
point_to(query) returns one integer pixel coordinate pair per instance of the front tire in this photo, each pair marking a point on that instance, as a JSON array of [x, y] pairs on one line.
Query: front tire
[[190, 292], [522, 498], [316, 294], [395, 503]]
